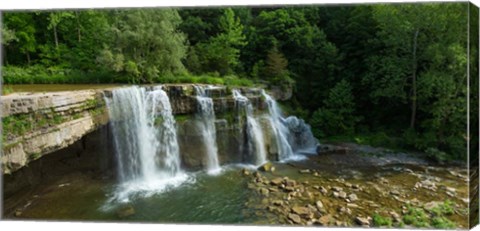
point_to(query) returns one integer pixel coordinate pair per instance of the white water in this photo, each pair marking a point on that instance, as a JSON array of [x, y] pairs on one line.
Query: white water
[[281, 132], [206, 115], [254, 131], [145, 141]]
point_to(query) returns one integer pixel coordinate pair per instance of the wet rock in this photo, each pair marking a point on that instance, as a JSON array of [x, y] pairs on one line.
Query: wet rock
[[264, 191], [300, 210], [325, 220], [271, 189], [427, 184], [319, 205], [278, 202], [337, 189], [432, 204], [396, 217], [305, 171], [451, 190], [450, 194], [383, 180], [18, 213], [323, 190], [245, 172], [335, 194], [348, 185], [295, 218], [352, 197], [277, 181], [353, 206], [345, 210], [341, 195], [362, 221], [267, 167], [395, 192], [289, 189], [289, 182], [125, 212]]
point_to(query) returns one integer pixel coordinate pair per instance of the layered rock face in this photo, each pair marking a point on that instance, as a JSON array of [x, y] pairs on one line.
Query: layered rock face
[[36, 124]]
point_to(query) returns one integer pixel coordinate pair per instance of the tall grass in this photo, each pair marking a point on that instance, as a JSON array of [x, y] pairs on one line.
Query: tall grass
[[38, 74]]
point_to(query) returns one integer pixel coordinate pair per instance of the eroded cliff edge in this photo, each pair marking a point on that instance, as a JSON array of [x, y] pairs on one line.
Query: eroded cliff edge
[[38, 124]]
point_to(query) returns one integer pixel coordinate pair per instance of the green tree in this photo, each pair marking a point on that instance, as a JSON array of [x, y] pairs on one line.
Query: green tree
[[146, 44], [422, 66], [23, 27], [338, 114], [221, 52]]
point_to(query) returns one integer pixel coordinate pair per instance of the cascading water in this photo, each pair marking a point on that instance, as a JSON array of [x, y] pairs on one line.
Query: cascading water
[[280, 130], [301, 137], [206, 116], [293, 134], [256, 143], [145, 141]]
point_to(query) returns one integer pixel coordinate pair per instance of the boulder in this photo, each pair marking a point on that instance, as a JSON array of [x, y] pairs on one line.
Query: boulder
[[277, 181], [305, 171], [362, 221], [319, 205], [267, 167], [300, 210], [337, 189], [295, 218], [325, 220], [263, 191], [352, 197], [245, 172]]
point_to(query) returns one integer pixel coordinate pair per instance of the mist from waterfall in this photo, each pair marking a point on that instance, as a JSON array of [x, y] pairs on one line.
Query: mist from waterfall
[[145, 141], [255, 139], [206, 116]]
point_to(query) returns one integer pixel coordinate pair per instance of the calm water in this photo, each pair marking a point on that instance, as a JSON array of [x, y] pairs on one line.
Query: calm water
[[204, 198]]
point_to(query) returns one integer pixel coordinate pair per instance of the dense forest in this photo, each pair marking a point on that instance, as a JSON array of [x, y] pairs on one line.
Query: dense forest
[[387, 74]]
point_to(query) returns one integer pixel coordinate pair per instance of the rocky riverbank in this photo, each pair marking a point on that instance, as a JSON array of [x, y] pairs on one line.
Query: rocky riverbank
[[397, 195]]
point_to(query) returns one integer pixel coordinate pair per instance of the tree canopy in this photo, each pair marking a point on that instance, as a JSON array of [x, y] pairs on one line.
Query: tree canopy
[[398, 69]]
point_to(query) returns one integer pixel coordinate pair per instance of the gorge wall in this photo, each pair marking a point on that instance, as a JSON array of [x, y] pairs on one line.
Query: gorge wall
[[39, 124]]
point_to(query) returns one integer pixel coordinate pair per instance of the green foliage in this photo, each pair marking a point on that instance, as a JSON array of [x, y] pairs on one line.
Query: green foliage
[[221, 52], [379, 220], [145, 44], [7, 90], [399, 68], [442, 223], [444, 209], [416, 217], [337, 116]]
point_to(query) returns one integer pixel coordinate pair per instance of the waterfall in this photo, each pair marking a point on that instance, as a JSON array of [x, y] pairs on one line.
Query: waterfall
[[301, 136], [292, 134], [280, 130], [206, 116], [145, 140], [256, 143]]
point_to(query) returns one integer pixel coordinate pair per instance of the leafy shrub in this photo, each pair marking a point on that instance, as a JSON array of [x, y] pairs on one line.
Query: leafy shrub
[[442, 223], [416, 217], [379, 220]]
